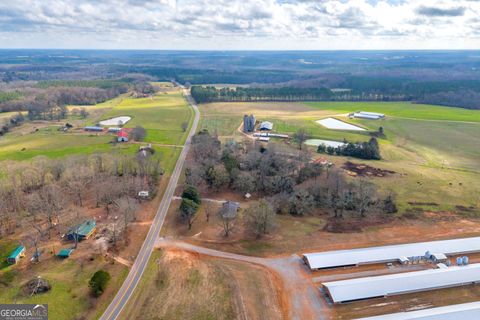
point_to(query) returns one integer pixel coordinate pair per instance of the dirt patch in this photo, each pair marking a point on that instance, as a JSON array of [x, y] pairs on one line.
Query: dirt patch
[[464, 209], [416, 203], [440, 216], [352, 225], [363, 170]]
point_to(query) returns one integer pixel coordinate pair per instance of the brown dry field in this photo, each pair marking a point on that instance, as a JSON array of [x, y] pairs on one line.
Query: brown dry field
[[265, 109], [185, 285]]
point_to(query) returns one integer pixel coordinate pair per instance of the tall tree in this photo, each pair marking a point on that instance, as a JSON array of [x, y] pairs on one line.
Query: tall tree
[[260, 217]]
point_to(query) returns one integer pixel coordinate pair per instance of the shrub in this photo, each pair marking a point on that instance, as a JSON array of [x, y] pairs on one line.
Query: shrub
[[191, 193], [98, 282]]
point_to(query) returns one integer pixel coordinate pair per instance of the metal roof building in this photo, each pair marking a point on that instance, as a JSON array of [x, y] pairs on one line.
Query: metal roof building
[[353, 257], [266, 125], [464, 311], [401, 283]]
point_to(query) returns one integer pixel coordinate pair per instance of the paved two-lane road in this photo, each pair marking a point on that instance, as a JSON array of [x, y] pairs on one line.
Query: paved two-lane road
[[136, 272]]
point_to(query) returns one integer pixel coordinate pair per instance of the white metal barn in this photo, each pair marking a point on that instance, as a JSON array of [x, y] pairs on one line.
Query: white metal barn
[[401, 283], [464, 311], [401, 252], [368, 115]]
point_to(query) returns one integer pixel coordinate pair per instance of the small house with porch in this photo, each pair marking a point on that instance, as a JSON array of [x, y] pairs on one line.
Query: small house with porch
[[82, 231], [16, 254]]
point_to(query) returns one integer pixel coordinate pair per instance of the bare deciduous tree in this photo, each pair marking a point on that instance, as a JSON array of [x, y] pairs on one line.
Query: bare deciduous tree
[[260, 217]]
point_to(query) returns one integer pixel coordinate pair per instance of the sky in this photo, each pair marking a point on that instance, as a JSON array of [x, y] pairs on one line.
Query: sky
[[240, 24]]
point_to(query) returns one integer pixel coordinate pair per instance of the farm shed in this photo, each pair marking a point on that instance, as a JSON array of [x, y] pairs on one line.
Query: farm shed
[[401, 283], [392, 253], [368, 115], [95, 129], [122, 136], [82, 231], [64, 253], [229, 209], [266, 125], [464, 311], [438, 257], [16, 254]]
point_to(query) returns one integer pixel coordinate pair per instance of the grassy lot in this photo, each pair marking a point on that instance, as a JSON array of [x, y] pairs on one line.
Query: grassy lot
[[51, 145], [6, 115], [69, 297]]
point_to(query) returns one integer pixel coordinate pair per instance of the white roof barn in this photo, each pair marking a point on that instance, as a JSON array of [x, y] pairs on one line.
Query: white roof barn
[[266, 125], [464, 311], [353, 257], [401, 283]]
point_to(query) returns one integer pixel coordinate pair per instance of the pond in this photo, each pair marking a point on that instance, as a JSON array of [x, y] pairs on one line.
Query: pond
[[328, 143]]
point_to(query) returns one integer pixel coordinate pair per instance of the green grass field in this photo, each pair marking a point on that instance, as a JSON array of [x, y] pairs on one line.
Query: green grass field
[[402, 110], [161, 115], [69, 297]]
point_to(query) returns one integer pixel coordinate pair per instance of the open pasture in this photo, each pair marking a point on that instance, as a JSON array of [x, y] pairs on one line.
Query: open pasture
[[162, 115], [401, 110]]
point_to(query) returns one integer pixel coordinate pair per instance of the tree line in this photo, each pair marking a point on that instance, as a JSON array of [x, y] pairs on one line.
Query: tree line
[[427, 93], [203, 94], [363, 150]]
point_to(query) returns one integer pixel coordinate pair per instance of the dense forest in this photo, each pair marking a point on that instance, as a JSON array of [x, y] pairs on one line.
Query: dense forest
[[450, 78]]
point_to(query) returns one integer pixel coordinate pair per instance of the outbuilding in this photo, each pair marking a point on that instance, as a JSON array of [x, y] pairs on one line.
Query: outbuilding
[[266, 126], [122, 136], [15, 256], [93, 128], [229, 209], [64, 253]]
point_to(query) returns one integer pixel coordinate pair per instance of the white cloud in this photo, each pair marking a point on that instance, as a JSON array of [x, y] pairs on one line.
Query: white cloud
[[240, 24]]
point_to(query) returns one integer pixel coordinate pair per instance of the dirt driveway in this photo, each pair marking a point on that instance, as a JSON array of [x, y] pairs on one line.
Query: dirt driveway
[[305, 300]]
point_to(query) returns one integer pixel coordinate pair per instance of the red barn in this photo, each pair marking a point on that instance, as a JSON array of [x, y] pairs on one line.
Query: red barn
[[122, 136]]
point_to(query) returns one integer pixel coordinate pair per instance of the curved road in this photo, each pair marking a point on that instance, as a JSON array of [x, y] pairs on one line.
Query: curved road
[[136, 272]]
